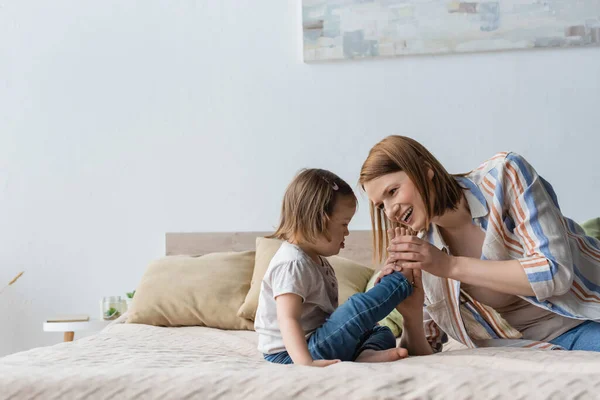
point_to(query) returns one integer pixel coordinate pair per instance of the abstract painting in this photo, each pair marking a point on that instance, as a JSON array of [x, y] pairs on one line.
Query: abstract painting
[[351, 29]]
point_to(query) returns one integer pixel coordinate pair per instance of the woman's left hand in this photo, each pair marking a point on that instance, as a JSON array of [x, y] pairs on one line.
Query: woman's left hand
[[414, 253]]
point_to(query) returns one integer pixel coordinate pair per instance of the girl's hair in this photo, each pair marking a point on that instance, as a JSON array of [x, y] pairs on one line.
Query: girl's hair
[[308, 204], [400, 153]]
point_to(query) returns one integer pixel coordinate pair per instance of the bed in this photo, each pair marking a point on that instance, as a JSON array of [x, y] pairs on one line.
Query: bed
[[128, 361]]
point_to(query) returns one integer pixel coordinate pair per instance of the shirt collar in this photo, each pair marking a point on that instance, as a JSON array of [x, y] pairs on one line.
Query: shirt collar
[[435, 238], [475, 198], [477, 205]]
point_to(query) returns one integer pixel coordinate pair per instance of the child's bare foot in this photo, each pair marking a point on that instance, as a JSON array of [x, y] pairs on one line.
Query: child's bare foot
[[382, 355]]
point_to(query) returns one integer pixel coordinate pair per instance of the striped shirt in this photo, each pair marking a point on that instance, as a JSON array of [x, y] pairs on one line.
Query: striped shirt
[[519, 213]]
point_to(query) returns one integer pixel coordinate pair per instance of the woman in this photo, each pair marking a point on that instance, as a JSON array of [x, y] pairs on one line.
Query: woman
[[495, 261]]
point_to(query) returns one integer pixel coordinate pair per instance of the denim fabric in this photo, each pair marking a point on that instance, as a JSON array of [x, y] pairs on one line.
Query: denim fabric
[[583, 337], [352, 328]]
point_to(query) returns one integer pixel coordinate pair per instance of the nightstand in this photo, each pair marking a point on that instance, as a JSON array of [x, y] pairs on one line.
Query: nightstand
[[69, 328]]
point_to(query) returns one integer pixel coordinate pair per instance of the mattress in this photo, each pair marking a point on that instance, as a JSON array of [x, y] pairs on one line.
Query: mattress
[[130, 361]]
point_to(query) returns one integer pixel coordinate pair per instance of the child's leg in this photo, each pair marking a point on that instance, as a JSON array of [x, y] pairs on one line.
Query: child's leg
[[379, 346], [279, 358], [340, 336], [379, 338]]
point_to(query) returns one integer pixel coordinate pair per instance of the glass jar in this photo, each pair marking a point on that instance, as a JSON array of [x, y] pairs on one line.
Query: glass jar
[[112, 307]]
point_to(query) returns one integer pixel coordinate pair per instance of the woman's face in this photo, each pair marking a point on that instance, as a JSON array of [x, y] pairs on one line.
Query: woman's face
[[398, 196]]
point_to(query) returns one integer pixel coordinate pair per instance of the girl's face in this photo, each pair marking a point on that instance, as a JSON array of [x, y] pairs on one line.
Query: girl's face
[[337, 226], [398, 196]]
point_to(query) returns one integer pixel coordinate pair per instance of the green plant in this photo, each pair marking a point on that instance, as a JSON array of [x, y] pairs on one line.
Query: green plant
[[111, 313], [130, 294]]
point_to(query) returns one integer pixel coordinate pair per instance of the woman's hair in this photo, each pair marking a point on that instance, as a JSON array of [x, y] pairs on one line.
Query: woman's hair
[[400, 153], [308, 204]]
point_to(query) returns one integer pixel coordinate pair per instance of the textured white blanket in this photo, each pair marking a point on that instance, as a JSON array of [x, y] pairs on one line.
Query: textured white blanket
[[127, 361]]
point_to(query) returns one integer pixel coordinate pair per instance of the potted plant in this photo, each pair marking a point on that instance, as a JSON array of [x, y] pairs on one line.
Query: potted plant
[[129, 298], [111, 313]]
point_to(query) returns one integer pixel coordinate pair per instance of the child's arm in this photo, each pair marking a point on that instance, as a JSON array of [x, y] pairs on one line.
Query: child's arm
[[289, 310]]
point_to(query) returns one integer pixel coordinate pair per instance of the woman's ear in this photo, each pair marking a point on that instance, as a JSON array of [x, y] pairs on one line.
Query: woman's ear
[[430, 173]]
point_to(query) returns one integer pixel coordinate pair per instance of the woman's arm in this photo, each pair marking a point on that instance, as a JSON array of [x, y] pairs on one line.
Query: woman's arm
[[539, 227], [289, 311], [502, 276], [545, 266]]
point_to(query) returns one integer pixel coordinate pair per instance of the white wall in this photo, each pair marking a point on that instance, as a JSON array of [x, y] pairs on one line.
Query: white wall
[[120, 121]]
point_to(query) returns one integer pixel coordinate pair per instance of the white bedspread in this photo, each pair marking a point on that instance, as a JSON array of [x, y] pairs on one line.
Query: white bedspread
[[127, 361]]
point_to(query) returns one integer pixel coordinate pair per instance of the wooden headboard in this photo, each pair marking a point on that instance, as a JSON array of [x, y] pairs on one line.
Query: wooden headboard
[[358, 244]]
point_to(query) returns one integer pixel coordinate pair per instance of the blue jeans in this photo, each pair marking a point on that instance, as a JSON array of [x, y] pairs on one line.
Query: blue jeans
[[352, 328], [583, 337]]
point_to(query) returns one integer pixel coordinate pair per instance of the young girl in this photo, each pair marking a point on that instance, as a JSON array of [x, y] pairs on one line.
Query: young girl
[[298, 320]]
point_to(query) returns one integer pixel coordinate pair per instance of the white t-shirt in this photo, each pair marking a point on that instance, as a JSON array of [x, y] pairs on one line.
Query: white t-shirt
[[292, 271]]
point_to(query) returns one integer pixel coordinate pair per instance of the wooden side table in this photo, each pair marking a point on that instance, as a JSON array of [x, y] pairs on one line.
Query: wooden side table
[[69, 328]]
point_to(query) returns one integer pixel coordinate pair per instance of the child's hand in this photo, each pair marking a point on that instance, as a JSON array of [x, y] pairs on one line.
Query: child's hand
[[322, 363]]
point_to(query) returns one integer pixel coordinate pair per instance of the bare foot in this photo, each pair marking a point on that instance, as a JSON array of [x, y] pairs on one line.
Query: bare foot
[[382, 355]]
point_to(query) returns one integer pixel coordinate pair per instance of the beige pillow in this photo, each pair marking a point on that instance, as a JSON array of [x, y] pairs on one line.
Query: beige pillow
[[352, 277], [187, 291], [265, 250]]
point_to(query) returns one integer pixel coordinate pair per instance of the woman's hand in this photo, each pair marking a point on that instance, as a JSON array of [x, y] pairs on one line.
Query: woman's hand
[[410, 252], [390, 266], [412, 306]]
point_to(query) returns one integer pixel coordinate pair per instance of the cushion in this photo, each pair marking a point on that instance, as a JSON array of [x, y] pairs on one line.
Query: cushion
[[352, 277], [394, 320], [592, 228], [265, 250], [188, 291]]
